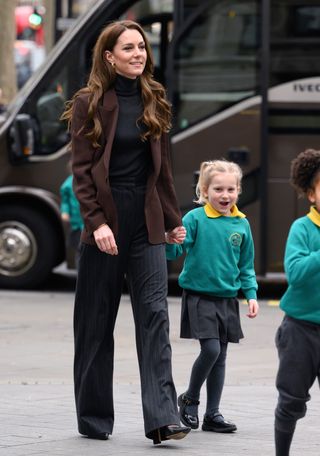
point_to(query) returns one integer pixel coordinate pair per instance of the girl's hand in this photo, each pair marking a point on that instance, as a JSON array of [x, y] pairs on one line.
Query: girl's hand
[[253, 308], [176, 236], [105, 240]]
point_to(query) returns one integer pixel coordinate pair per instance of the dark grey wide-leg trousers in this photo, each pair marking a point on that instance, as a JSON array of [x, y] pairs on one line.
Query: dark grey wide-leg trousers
[[98, 293]]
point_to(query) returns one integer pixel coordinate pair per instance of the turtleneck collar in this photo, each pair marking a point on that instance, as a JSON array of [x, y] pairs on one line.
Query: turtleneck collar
[[126, 86]]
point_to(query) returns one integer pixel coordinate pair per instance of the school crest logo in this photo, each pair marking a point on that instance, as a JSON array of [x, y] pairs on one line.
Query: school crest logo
[[235, 239]]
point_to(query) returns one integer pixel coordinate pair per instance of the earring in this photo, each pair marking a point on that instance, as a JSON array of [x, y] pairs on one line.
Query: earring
[[113, 64]]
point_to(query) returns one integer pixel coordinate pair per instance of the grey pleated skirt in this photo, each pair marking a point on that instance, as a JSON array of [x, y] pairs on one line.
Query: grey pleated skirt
[[206, 317]]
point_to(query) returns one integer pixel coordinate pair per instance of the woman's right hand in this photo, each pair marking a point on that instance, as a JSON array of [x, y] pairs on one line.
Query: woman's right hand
[[105, 240]]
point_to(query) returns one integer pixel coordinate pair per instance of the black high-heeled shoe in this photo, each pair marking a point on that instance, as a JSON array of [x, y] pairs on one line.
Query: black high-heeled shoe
[[187, 419], [101, 436], [170, 432]]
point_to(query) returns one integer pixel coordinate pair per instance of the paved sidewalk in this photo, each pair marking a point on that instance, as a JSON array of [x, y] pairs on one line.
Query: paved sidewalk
[[37, 415]]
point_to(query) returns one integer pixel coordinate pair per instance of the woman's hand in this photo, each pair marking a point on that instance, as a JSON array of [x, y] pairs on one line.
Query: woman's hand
[[176, 236], [105, 240], [253, 308]]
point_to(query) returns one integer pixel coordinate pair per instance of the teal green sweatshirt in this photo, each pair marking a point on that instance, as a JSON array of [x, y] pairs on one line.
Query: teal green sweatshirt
[[219, 254], [69, 204], [302, 267]]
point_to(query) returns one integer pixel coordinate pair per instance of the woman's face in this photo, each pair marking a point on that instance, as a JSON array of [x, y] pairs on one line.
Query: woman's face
[[129, 54]]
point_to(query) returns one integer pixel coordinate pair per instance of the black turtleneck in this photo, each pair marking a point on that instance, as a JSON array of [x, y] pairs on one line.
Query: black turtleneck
[[130, 157]]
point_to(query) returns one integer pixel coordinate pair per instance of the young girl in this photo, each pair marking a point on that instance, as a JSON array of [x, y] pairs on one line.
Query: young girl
[[219, 261], [298, 338]]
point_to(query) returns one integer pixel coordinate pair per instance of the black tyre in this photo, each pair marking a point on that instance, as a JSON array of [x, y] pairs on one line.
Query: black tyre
[[28, 246]]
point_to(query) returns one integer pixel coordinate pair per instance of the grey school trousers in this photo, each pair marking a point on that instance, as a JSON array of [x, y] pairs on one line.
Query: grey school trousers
[[298, 344], [98, 293]]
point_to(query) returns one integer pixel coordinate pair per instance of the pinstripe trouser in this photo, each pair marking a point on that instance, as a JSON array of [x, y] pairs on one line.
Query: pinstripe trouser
[[98, 293]]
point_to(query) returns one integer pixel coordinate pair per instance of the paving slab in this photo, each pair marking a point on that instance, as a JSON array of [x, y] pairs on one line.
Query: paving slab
[[37, 414]]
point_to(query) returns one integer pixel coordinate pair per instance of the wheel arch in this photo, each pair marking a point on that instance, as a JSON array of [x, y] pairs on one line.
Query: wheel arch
[[43, 202]]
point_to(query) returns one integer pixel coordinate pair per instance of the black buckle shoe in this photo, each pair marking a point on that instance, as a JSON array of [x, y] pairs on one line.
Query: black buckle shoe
[[187, 419], [171, 432], [217, 423]]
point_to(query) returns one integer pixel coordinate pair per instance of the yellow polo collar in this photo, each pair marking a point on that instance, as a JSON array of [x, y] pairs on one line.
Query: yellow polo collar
[[314, 215], [213, 213]]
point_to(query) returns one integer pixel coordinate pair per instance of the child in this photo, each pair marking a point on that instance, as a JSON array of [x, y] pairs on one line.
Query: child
[[219, 261], [298, 337], [70, 212]]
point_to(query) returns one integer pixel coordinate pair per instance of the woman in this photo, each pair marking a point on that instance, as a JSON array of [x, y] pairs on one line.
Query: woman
[[122, 179]]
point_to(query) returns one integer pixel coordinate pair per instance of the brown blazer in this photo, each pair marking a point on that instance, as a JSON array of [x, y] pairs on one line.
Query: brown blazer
[[91, 176]]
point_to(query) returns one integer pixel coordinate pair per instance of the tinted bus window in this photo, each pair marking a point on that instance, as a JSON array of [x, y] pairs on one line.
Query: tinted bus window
[[294, 41], [47, 103], [216, 61]]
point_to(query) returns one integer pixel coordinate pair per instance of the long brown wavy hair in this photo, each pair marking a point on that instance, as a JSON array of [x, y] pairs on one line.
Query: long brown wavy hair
[[157, 110]]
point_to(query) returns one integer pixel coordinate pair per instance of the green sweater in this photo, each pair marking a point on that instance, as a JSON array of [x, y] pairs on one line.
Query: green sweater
[[69, 204], [302, 267], [219, 254]]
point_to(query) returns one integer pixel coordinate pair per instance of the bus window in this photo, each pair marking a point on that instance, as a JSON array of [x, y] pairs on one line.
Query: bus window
[[49, 107], [156, 18], [46, 104], [216, 63], [294, 40]]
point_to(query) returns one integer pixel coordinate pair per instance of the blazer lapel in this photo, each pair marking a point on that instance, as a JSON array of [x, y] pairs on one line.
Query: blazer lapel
[[155, 147], [108, 114], [156, 155]]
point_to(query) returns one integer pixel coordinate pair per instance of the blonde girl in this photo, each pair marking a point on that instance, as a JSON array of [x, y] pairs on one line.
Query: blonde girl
[[219, 261]]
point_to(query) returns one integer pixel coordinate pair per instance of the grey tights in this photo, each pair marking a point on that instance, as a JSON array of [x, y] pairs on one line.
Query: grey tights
[[209, 366]]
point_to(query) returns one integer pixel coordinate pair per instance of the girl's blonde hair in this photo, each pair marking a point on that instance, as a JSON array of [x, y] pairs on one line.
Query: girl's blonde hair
[[208, 169], [156, 109]]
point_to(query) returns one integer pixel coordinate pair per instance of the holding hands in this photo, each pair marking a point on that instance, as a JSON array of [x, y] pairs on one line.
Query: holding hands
[[106, 243], [176, 236]]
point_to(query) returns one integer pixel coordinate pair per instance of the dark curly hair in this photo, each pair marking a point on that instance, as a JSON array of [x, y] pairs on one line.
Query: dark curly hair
[[305, 171]]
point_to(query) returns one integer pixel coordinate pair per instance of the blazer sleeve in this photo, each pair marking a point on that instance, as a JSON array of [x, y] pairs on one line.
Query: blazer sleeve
[[82, 159], [166, 190]]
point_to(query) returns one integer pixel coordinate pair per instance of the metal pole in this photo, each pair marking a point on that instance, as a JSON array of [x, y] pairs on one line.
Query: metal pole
[[178, 13], [177, 21], [265, 68], [58, 13], [70, 7]]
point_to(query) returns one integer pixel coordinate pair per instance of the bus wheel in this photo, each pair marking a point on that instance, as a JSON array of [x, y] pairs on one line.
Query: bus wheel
[[27, 247]]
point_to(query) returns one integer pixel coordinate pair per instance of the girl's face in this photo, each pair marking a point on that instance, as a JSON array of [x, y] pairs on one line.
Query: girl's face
[[222, 192], [129, 54], [314, 195]]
